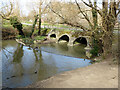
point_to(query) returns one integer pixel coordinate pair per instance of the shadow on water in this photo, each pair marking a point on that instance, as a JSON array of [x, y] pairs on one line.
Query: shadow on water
[[18, 54], [23, 65]]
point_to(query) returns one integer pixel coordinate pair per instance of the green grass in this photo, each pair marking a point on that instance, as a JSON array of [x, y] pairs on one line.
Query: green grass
[[6, 24], [28, 22], [116, 29], [39, 37], [57, 25], [45, 24]]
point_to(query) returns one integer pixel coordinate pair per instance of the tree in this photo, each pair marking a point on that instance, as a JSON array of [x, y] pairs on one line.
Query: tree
[[103, 31], [16, 11], [6, 13], [39, 8], [41, 12], [6, 10], [16, 24], [33, 27]]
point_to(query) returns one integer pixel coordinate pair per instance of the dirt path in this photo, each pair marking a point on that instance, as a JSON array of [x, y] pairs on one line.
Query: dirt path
[[99, 75]]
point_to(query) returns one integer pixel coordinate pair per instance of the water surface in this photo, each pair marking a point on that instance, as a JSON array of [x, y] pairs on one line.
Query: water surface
[[22, 65]]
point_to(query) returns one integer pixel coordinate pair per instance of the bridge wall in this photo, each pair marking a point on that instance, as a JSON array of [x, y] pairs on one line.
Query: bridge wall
[[71, 38]]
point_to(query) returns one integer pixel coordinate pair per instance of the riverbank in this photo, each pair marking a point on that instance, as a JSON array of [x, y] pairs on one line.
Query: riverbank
[[8, 33], [98, 75]]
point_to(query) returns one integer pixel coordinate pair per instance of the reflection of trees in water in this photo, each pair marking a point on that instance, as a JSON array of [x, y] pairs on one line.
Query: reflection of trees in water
[[35, 53], [39, 66], [4, 50], [5, 47], [18, 54], [17, 58], [42, 69], [11, 65]]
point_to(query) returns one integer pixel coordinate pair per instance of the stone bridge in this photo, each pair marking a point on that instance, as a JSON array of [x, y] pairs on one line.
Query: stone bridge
[[71, 37]]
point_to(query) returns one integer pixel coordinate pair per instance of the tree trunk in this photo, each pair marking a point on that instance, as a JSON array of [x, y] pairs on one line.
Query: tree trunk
[[108, 23], [33, 27], [39, 32], [21, 33], [94, 15], [107, 44]]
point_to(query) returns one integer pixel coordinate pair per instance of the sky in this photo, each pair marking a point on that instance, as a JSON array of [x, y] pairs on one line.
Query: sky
[[26, 10]]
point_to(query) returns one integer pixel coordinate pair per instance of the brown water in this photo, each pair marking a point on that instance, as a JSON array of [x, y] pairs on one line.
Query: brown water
[[22, 65]]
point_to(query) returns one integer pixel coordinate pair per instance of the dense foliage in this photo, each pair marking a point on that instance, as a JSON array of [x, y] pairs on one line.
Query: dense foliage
[[16, 24]]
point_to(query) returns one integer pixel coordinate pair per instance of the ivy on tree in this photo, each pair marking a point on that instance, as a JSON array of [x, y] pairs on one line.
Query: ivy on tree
[[16, 24]]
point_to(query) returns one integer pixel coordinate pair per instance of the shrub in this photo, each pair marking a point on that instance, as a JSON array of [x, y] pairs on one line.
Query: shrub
[[96, 48], [40, 38], [16, 24], [19, 36]]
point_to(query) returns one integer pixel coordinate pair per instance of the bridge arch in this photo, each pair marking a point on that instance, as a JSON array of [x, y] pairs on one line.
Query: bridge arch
[[81, 40], [53, 36], [64, 37]]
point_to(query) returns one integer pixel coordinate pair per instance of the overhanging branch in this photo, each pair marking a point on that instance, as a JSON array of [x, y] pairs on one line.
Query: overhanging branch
[[91, 6], [45, 7], [68, 23], [118, 12], [4, 17], [11, 8], [85, 15], [56, 13]]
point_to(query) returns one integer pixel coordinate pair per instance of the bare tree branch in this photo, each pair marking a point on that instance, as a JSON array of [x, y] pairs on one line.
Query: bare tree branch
[[68, 23], [86, 17], [118, 12], [56, 13], [11, 8], [7, 51], [45, 7], [77, 25], [90, 2], [5, 16], [91, 6], [5, 54], [118, 3]]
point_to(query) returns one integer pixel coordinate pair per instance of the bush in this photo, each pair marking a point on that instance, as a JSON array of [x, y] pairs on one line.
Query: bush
[[94, 51], [96, 48], [8, 33], [40, 38], [27, 41], [16, 24], [27, 31], [45, 31], [19, 37]]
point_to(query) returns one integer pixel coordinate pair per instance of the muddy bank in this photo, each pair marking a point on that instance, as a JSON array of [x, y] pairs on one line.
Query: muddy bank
[[98, 75]]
